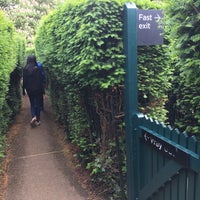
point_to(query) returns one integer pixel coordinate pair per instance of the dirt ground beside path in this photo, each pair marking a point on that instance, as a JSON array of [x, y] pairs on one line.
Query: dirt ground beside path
[[40, 163]]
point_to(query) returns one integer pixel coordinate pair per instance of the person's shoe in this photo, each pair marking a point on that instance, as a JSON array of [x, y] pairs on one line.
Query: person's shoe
[[37, 123], [33, 120]]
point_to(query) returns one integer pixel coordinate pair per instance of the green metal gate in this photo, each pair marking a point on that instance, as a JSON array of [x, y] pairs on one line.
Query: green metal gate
[[168, 164], [162, 163]]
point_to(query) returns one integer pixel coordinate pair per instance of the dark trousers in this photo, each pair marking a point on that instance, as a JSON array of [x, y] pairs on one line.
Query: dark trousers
[[35, 102], [41, 102]]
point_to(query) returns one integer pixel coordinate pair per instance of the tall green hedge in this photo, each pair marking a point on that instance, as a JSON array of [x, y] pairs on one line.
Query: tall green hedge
[[13, 96], [185, 32], [81, 47], [89, 52], [7, 63], [12, 49]]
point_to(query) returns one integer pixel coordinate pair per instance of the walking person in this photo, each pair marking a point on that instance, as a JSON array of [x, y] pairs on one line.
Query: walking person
[[33, 84]]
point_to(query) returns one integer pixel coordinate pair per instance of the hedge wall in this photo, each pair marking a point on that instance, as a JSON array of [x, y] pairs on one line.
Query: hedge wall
[[81, 47], [185, 31], [12, 49]]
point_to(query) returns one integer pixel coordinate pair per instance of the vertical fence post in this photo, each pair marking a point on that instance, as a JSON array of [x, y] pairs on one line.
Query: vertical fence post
[[131, 97]]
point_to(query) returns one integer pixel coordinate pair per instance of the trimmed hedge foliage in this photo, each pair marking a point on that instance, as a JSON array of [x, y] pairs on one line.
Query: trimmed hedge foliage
[[12, 51], [83, 42], [81, 47], [185, 98]]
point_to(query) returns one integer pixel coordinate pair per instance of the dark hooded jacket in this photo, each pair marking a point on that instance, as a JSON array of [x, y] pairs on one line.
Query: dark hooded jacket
[[33, 80]]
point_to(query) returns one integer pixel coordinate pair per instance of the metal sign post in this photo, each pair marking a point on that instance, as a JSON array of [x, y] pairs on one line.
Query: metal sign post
[[144, 23], [131, 99]]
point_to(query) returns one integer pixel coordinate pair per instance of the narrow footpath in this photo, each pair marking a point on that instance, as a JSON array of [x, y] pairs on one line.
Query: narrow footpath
[[38, 168]]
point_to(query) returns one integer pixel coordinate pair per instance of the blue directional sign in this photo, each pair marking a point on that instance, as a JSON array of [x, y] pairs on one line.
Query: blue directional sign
[[150, 28]]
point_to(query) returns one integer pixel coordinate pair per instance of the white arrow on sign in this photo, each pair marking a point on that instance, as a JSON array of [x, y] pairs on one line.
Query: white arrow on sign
[[157, 17]]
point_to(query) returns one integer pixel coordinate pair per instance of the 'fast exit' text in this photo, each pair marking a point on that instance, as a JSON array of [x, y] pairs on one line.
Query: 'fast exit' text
[[145, 19]]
